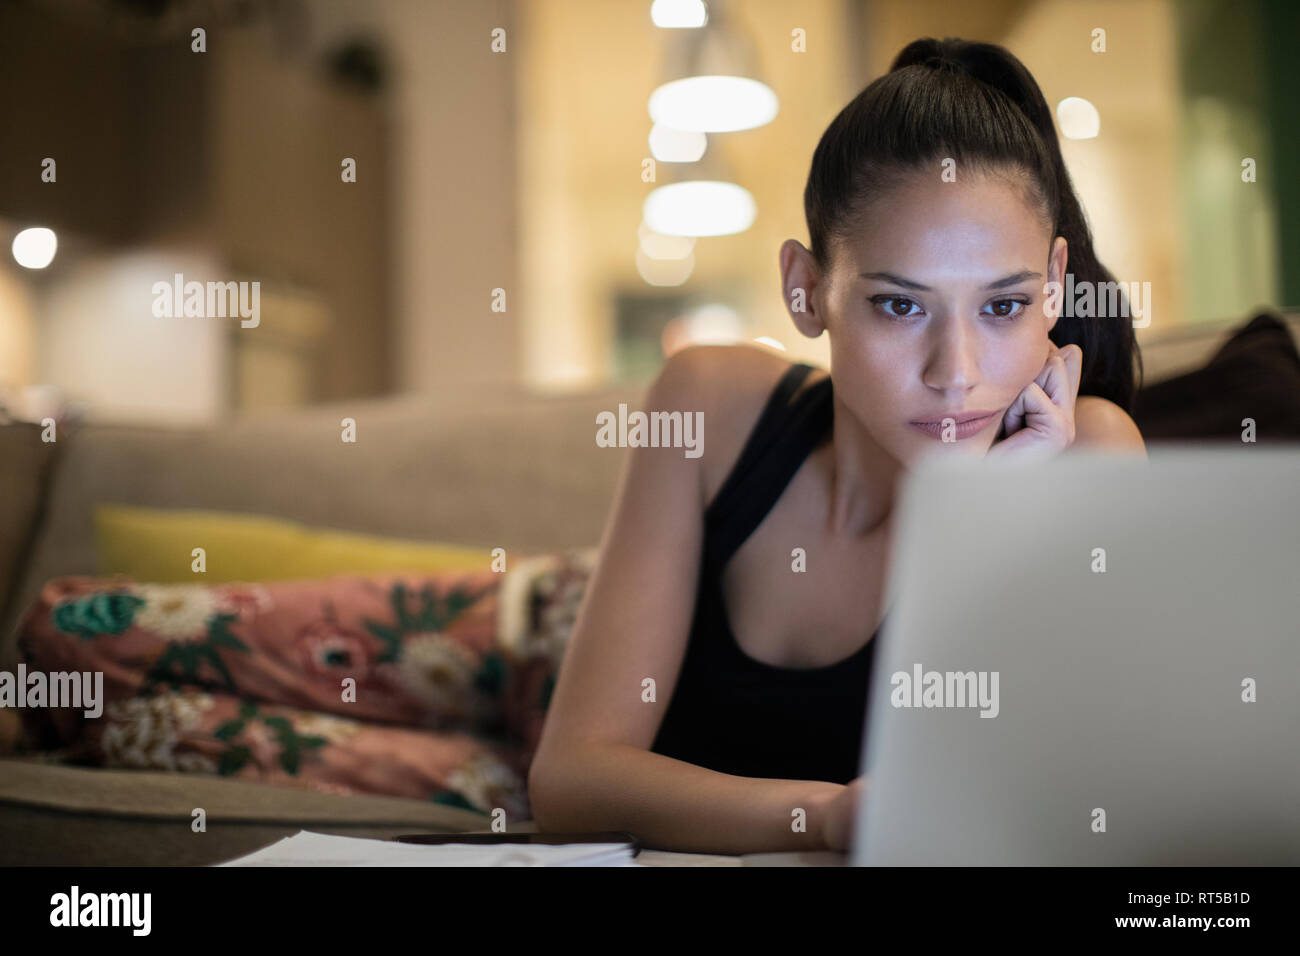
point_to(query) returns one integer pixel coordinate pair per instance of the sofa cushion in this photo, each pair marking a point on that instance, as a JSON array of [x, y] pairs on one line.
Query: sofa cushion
[[419, 650], [541, 598], [412, 650], [1255, 374], [156, 544], [448, 693], [221, 735]]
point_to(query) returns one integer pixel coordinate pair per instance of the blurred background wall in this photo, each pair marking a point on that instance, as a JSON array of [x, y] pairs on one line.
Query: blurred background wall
[[495, 232]]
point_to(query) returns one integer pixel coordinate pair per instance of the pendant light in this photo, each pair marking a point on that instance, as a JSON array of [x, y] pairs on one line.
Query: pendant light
[[712, 80]]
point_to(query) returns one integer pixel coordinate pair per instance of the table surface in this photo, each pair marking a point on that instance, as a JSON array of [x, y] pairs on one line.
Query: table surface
[[665, 858], [668, 858]]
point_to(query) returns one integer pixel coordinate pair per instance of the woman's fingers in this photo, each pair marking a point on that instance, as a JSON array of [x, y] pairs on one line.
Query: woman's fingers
[[1060, 375], [1073, 356], [1039, 409], [1042, 434], [1041, 418], [1054, 379], [1013, 419]]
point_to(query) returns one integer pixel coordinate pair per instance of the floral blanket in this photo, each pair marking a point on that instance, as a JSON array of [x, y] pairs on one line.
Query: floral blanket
[[426, 686]]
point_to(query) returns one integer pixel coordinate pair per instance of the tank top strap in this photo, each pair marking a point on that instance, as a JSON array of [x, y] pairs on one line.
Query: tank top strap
[[761, 435], [786, 432]]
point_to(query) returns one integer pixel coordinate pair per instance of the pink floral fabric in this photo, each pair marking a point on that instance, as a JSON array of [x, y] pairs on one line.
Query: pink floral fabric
[[200, 732], [393, 684]]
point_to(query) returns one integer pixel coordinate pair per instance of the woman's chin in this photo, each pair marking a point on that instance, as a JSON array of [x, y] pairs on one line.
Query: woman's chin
[[923, 448]]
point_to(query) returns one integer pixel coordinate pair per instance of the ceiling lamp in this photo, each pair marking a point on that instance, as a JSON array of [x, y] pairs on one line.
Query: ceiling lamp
[[679, 14], [712, 84], [664, 271], [1079, 119], [34, 248], [699, 207], [670, 145], [656, 245]]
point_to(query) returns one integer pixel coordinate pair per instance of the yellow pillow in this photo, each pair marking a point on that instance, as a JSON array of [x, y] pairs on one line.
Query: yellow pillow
[[156, 544]]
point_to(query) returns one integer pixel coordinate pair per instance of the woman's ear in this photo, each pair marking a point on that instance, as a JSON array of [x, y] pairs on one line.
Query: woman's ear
[[1057, 260], [799, 279]]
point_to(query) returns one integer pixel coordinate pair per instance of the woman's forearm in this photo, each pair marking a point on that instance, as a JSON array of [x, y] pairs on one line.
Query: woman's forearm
[[672, 805]]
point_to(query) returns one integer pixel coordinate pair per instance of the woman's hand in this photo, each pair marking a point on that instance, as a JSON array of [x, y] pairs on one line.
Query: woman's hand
[[1040, 422], [839, 813]]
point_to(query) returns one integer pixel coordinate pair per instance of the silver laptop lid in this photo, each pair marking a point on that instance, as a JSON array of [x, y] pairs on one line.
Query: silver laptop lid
[[1092, 660]]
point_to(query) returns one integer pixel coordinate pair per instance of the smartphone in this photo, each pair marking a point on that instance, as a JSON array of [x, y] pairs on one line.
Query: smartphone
[[553, 839]]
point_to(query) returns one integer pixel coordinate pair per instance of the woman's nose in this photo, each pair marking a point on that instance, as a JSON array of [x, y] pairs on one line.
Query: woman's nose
[[953, 360]]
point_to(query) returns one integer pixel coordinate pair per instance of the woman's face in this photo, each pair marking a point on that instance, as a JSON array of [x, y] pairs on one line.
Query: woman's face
[[935, 309]]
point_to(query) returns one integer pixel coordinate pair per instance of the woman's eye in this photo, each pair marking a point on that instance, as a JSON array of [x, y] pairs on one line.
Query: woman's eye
[[895, 306], [1007, 308]]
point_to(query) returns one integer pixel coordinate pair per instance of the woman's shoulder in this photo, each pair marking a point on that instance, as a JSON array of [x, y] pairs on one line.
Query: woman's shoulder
[[730, 384]]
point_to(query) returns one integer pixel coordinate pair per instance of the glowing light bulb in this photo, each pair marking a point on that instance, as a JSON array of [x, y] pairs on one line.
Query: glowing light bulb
[[34, 248]]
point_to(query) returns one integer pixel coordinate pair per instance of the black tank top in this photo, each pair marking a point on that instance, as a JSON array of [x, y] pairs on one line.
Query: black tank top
[[732, 713]]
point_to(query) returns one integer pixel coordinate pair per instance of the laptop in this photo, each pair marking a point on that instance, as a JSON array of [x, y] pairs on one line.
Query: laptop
[[1093, 660]]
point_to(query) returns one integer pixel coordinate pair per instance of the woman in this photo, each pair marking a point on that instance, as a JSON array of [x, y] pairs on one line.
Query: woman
[[713, 692]]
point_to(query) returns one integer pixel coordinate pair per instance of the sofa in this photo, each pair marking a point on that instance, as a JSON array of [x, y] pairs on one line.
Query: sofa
[[490, 467], [495, 468]]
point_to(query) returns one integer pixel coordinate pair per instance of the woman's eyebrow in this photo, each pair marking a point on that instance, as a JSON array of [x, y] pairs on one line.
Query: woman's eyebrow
[[1014, 279]]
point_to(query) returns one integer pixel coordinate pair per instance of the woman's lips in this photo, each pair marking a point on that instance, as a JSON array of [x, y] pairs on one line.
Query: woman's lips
[[959, 431]]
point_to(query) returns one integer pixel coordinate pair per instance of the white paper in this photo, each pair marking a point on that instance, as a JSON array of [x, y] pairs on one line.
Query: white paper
[[306, 848]]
